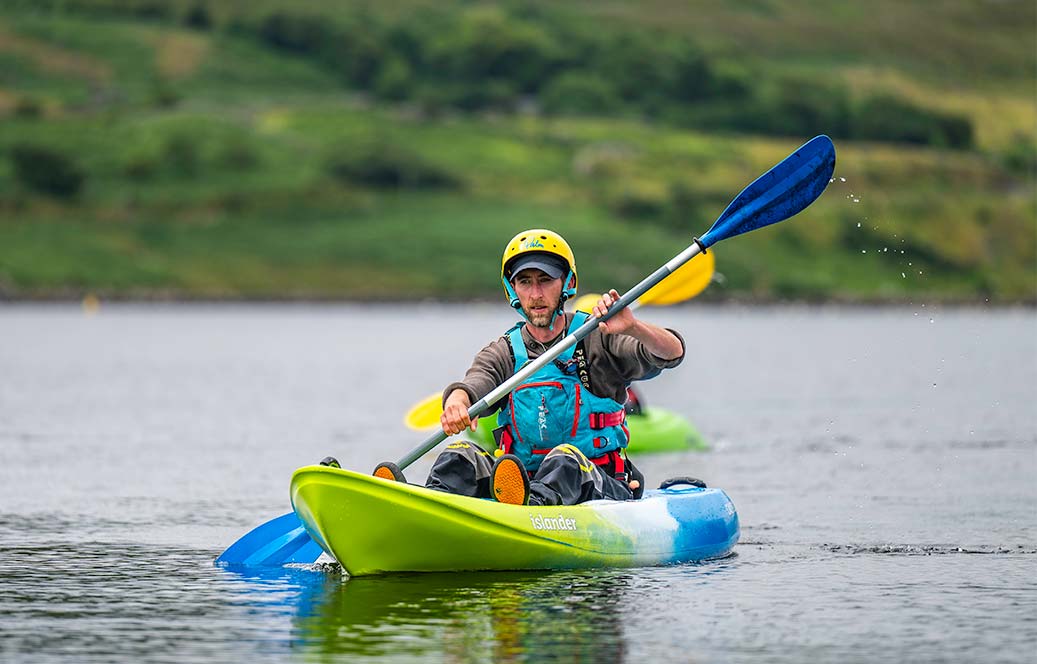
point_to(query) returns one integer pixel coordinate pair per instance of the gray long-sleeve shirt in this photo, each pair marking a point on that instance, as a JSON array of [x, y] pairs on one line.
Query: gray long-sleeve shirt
[[614, 360]]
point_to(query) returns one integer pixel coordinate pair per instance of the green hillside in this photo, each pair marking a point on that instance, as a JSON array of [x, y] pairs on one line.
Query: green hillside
[[364, 150]]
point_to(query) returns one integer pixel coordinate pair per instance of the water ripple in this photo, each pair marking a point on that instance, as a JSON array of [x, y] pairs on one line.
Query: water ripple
[[926, 550]]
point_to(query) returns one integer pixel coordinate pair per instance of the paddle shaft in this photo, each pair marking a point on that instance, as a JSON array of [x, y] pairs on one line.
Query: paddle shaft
[[502, 390]]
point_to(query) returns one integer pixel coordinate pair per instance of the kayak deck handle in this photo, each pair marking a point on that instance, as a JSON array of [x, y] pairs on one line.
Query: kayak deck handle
[[684, 479]]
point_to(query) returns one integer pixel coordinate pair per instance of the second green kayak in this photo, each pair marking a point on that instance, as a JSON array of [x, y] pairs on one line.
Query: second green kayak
[[654, 430]]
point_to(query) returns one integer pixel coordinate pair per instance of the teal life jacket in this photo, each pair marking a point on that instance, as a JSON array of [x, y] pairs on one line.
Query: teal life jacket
[[553, 408]]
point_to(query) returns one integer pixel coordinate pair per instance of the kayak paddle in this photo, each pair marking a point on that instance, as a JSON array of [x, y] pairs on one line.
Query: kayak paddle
[[780, 193]]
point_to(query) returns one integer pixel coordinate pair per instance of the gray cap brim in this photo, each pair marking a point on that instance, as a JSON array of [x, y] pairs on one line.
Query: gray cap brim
[[552, 266]]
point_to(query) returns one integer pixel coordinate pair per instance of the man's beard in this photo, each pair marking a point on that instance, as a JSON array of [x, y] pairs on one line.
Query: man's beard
[[545, 319]]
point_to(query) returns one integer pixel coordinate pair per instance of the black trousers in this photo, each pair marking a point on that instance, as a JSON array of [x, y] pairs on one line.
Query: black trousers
[[565, 477]]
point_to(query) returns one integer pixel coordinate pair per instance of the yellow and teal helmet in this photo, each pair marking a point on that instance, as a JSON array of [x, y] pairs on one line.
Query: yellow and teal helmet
[[544, 250]]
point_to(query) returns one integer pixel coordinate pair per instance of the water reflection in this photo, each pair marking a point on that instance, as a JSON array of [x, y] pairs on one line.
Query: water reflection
[[503, 616]]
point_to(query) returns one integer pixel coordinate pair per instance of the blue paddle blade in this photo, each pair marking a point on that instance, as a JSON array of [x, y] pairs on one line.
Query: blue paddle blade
[[276, 542], [778, 194]]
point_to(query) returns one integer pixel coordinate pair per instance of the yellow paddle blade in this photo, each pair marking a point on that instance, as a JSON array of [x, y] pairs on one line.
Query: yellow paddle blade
[[685, 283], [688, 281], [425, 414], [585, 303]]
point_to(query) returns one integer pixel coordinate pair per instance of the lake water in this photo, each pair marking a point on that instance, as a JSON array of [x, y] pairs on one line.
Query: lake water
[[883, 463]]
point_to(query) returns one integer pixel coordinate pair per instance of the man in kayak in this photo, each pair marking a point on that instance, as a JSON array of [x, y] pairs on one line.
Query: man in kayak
[[562, 433]]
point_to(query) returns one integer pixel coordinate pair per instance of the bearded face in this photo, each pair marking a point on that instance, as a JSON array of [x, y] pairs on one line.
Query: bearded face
[[540, 296]]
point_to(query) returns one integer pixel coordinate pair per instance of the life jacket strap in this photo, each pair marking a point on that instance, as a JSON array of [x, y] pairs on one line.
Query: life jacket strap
[[502, 436], [505, 442], [605, 420], [618, 466]]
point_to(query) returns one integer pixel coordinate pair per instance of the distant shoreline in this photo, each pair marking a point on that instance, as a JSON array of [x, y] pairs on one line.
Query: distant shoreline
[[488, 302]]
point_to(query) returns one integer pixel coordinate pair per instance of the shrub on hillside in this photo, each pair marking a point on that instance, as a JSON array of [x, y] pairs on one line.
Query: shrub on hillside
[[491, 95], [395, 81], [488, 44], [383, 165], [789, 107], [889, 118], [803, 108], [164, 94], [237, 154], [355, 51], [640, 201], [181, 156], [300, 33], [579, 93], [28, 108], [140, 167], [631, 63], [732, 81], [1020, 156], [47, 170], [685, 204], [197, 17], [353, 48]]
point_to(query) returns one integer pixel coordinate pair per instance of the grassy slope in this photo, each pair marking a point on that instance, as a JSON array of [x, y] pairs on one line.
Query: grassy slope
[[900, 224]]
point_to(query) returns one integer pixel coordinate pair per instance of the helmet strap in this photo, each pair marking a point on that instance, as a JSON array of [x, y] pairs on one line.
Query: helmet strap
[[559, 310], [569, 292]]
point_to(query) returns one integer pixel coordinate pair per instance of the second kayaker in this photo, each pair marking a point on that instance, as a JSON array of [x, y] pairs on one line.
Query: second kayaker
[[562, 433]]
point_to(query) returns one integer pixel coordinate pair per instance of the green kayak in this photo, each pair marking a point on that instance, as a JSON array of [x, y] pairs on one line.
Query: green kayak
[[375, 526], [653, 430]]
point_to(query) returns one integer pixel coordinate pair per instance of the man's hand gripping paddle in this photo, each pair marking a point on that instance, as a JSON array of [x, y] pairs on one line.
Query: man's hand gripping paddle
[[780, 193]]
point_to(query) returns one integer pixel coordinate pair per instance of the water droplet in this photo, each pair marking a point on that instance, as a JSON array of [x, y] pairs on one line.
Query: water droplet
[[903, 275]]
